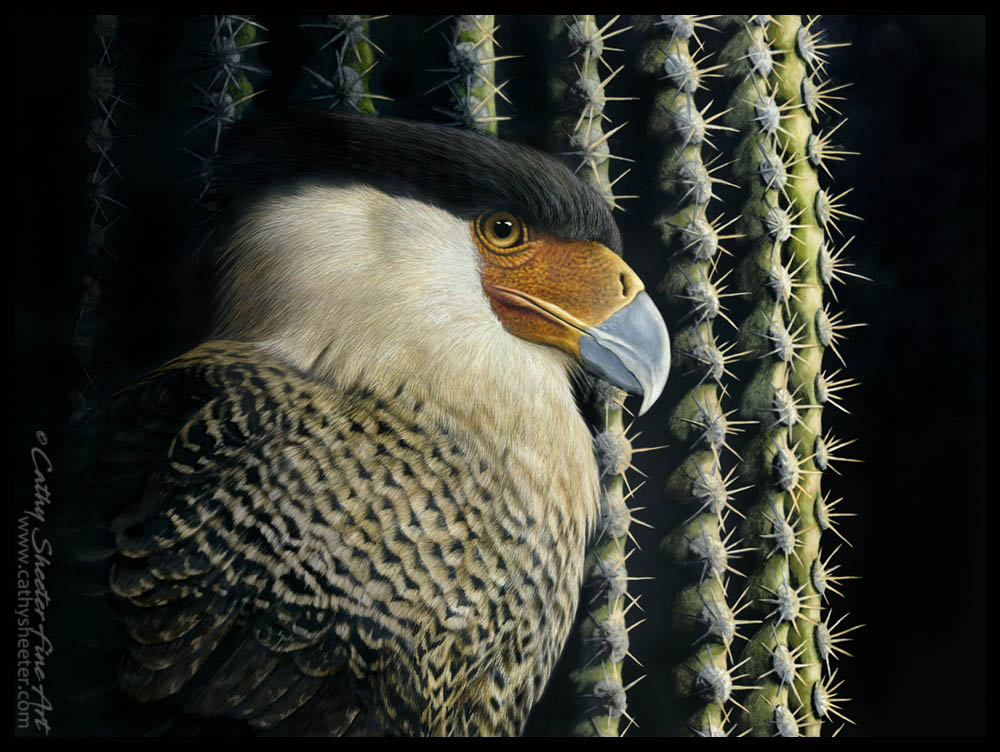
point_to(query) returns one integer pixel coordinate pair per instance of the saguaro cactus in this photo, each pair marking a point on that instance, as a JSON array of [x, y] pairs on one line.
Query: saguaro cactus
[[688, 180], [109, 103], [339, 76], [787, 218], [580, 86], [767, 71]]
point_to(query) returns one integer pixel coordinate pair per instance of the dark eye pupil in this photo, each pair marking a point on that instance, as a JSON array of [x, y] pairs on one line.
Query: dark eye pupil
[[503, 228]]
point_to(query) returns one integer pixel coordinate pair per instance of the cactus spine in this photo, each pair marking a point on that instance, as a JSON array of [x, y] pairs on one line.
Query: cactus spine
[[787, 218], [471, 78], [339, 74], [106, 210], [698, 424], [578, 84]]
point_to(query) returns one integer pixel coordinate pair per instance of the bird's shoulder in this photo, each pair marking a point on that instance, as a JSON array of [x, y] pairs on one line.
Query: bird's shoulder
[[246, 539]]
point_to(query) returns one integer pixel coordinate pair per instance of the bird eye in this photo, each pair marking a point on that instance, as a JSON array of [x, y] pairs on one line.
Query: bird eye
[[501, 230]]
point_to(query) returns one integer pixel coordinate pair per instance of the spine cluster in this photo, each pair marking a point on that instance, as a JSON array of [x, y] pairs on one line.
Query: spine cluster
[[105, 189], [789, 221], [695, 233], [224, 89], [471, 74], [579, 87], [338, 75]]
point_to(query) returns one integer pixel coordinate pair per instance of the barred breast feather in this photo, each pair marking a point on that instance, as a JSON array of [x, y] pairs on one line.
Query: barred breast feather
[[313, 559]]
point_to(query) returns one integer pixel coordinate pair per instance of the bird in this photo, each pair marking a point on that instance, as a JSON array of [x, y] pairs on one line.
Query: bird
[[361, 505]]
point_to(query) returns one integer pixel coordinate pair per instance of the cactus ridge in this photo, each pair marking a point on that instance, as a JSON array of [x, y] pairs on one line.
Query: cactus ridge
[[580, 85], [109, 109], [470, 76], [338, 75], [786, 224], [697, 243]]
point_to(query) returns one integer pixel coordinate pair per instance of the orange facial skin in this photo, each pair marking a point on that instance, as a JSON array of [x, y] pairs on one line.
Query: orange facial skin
[[544, 289]]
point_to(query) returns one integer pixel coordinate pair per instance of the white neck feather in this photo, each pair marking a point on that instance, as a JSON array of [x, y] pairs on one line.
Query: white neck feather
[[359, 288]]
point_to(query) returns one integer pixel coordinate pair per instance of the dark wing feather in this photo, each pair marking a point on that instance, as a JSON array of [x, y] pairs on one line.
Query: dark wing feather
[[293, 559], [199, 540]]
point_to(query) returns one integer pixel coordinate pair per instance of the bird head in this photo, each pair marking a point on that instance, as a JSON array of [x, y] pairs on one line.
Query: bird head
[[413, 242]]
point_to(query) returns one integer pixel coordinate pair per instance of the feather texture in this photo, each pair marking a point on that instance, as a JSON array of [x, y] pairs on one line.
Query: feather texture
[[322, 560]]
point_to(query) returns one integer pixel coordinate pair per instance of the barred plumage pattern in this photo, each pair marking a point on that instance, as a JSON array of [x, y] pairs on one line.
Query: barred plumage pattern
[[323, 561]]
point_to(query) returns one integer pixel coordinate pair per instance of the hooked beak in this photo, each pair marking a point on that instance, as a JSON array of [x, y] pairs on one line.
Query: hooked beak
[[584, 299], [630, 349]]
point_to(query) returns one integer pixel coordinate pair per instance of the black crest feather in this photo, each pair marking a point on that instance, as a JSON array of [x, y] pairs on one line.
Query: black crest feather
[[462, 171]]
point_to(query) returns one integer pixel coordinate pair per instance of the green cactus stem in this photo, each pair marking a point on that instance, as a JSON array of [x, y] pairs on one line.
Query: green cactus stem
[[338, 75], [579, 87], [228, 90], [471, 78], [693, 286], [224, 91], [104, 183], [787, 218]]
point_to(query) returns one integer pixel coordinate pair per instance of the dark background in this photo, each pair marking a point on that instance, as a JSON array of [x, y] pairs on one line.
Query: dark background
[[916, 114]]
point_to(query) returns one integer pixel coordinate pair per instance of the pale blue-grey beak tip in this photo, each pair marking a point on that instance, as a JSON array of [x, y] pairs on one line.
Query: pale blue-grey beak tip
[[631, 350]]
